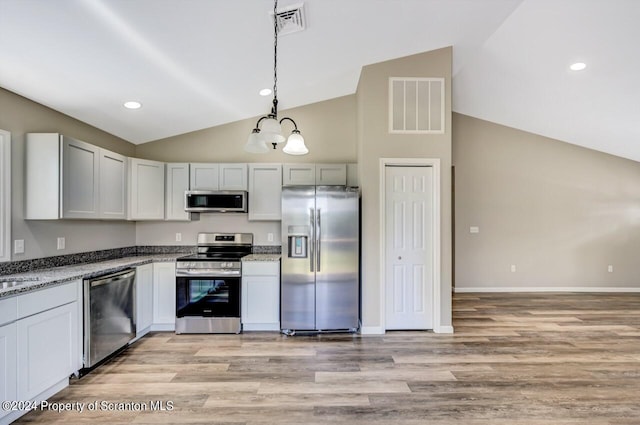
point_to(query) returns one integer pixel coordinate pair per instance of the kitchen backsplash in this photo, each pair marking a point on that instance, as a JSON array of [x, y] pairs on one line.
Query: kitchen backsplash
[[13, 267], [266, 249]]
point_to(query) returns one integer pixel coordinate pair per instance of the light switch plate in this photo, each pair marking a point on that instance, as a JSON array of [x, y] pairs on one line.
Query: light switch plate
[[61, 243], [178, 237], [474, 229], [270, 237]]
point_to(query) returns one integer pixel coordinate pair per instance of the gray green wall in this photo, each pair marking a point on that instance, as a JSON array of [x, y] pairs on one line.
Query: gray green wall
[[375, 142], [560, 213], [20, 116], [329, 130]]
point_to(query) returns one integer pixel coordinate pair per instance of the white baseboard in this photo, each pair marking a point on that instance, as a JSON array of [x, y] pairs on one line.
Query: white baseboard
[[372, 330], [443, 330], [545, 289]]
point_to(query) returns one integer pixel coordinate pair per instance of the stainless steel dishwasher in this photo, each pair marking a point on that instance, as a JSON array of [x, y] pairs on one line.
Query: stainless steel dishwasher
[[109, 315]]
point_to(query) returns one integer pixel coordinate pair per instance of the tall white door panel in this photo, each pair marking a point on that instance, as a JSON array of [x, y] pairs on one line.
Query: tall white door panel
[[113, 185], [409, 247], [80, 187]]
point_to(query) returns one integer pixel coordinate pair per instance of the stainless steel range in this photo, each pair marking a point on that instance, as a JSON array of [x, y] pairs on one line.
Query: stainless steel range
[[208, 284]]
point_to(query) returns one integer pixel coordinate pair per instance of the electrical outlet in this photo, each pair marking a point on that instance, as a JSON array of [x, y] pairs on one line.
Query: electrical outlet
[[270, 237], [513, 268], [61, 243], [610, 268], [18, 246], [178, 237]]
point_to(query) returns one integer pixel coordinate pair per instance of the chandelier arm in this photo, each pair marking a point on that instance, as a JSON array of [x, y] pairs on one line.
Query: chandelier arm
[[294, 123], [258, 123]]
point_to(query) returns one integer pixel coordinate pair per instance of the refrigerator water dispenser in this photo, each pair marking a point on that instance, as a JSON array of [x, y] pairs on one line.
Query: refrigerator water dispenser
[[298, 246]]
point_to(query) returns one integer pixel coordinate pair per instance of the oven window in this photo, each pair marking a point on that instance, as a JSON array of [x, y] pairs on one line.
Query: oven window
[[211, 297], [209, 291]]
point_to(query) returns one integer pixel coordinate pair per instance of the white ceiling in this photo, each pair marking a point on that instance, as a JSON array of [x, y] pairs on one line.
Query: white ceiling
[[200, 63]]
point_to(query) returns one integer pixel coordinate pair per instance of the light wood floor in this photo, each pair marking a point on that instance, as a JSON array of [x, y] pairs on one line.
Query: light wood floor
[[514, 359]]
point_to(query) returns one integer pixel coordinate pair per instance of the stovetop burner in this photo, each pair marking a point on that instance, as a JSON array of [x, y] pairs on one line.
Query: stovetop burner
[[215, 256], [221, 247]]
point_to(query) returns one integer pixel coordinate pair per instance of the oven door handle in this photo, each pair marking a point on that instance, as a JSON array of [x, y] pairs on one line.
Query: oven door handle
[[207, 273]]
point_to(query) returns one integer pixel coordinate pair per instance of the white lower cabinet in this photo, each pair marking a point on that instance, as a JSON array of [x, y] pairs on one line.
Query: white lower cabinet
[[8, 360], [164, 297], [260, 308], [40, 344], [144, 299], [47, 350]]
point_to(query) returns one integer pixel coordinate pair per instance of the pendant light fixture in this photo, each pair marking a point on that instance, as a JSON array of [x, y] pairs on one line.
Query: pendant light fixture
[[268, 129]]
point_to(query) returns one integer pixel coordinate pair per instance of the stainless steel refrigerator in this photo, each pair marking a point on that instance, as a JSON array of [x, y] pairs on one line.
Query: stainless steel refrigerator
[[320, 282]]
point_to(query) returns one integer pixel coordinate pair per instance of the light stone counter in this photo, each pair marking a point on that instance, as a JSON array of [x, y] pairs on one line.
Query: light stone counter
[[261, 257], [39, 279]]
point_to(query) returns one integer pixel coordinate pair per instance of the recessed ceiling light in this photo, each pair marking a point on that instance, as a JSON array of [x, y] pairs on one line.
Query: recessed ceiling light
[[132, 104], [578, 66], [265, 92]]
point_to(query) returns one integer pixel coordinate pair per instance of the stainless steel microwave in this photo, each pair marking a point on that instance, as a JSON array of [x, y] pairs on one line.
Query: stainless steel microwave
[[215, 201]]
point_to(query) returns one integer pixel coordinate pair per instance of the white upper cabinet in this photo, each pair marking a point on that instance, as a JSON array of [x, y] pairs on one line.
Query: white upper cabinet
[[331, 174], [113, 185], [69, 178], [146, 190], [233, 176], [177, 183], [5, 197], [314, 174], [265, 191], [80, 175], [298, 174], [43, 167], [203, 177], [218, 176]]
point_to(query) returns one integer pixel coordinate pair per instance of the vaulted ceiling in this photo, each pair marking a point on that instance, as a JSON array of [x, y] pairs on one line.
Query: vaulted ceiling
[[200, 63]]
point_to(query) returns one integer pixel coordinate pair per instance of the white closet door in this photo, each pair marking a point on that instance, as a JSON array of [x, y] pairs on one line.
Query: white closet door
[[409, 248]]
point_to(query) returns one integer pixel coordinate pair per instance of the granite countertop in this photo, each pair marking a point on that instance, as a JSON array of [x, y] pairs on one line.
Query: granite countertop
[[261, 257], [25, 282]]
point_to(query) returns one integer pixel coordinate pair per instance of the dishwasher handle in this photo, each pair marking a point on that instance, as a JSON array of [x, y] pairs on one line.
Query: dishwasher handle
[[121, 275]]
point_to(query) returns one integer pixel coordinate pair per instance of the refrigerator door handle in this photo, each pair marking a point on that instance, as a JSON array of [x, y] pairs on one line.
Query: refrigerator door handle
[[312, 240], [318, 240]]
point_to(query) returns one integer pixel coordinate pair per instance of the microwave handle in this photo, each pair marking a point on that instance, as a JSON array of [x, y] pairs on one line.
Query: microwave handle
[[186, 200]]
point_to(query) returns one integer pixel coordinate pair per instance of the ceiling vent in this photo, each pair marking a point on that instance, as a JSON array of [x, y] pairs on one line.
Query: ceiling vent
[[290, 19]]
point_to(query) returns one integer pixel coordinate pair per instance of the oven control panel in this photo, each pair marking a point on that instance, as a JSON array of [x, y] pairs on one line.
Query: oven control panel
[[217, 265]]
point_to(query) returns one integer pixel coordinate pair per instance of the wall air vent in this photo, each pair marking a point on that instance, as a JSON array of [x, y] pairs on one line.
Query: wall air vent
[[290, 19], [416, 105]]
